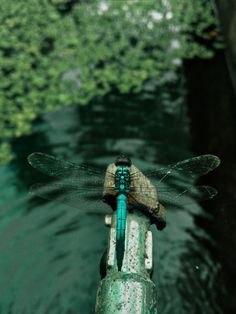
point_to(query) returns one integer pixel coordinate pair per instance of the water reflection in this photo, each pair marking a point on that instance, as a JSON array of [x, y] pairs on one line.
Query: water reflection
[[51, 253]]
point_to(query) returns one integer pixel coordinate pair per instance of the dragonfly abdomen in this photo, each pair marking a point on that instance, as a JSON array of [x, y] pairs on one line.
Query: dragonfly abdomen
[[122, 186], [120, 228], [121, 216]]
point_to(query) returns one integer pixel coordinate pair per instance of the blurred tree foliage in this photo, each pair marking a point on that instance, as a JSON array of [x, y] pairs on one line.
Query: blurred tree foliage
[[55, 53]]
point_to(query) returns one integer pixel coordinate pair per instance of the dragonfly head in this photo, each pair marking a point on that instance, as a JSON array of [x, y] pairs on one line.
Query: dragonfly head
[[123, 160]]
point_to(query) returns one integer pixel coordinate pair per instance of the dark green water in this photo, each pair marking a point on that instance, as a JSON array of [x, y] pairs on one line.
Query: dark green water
[[50, 253]]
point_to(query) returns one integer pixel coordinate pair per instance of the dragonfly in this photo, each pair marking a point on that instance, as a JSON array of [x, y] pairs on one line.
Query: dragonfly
[[77, 181]]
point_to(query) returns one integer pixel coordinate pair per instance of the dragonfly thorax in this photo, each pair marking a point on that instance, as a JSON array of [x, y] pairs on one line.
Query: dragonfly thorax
[[122, 180]]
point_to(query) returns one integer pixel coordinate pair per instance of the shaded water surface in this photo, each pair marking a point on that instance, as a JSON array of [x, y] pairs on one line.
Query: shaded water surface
[[50, 253]]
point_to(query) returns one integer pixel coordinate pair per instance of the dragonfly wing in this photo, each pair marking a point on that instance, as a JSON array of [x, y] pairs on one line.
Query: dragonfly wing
[[182, 196], [86, 200], [65, 170], [188, 196], [193, 167]]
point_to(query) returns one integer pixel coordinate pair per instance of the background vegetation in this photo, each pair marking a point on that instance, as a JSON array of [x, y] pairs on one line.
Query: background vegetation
[[55, 53]]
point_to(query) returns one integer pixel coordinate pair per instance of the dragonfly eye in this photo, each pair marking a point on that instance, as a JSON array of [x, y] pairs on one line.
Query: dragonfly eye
[[123, 160]]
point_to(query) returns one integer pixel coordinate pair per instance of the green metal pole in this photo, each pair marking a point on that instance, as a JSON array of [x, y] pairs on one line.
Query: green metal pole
[[131, 290]]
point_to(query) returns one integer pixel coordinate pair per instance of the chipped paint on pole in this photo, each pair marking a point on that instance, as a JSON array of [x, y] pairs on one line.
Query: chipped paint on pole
[[130, 290]]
